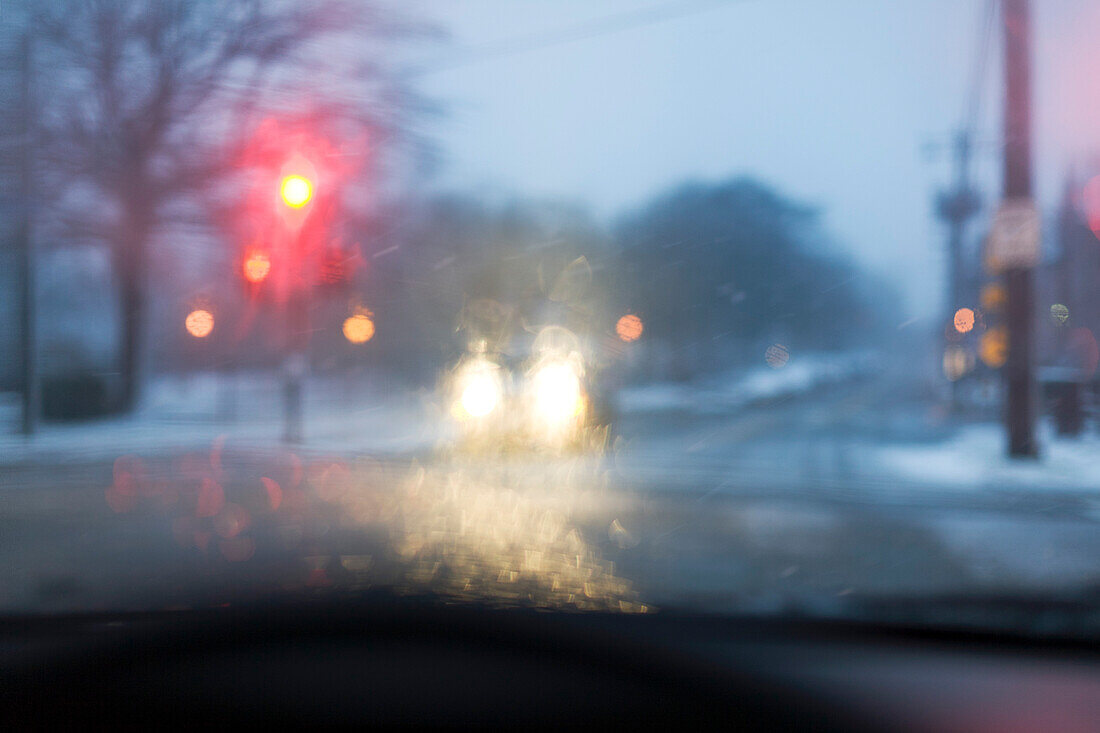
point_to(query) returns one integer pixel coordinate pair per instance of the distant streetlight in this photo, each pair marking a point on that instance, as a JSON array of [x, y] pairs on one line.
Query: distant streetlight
[[964, 320], [359, 329], [629, 327], [199, 323]]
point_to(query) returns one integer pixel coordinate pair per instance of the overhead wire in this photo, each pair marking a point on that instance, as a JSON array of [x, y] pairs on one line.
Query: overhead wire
[[979, 71], [602, 26]]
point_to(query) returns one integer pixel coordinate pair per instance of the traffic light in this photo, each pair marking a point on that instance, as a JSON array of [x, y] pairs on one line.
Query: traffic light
[[296, 191], [289, 222]]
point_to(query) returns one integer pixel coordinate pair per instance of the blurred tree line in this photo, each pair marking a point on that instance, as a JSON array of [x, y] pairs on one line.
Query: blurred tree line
[[717, 272], [146, 110], [496, 273]]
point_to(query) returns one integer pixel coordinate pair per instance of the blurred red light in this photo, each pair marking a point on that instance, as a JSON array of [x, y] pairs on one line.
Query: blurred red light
[[296, 191], [256, 267]]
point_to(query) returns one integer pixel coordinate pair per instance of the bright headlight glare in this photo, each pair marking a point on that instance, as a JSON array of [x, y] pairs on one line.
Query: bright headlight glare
[[481, 392], [557, 393]]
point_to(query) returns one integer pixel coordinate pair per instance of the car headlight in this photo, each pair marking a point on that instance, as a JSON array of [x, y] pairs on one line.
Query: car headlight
[[557, 393], [480, 389]]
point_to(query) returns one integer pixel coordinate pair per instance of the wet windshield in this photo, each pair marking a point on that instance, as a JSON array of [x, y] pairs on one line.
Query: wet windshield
[[735, 306]]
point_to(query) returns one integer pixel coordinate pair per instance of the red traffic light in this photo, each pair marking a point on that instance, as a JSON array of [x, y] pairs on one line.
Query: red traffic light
[[296, 190]]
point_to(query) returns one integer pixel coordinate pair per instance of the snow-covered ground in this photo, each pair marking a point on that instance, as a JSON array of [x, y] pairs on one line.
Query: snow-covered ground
[[355, 414], [345, 414], [732, 390], [974, 458], [352, 413]]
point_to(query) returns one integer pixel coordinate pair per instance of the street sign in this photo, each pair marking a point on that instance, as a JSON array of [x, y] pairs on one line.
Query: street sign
[[1014, 236]]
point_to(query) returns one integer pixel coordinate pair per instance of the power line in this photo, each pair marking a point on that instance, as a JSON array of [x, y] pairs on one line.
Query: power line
[[606, 25], [981, 63]]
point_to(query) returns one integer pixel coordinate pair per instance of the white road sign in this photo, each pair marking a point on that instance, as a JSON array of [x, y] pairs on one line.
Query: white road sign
[[1014, 235]]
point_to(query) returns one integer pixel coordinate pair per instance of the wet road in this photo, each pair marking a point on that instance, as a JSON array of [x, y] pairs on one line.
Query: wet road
[[819, 449], [769, 508]]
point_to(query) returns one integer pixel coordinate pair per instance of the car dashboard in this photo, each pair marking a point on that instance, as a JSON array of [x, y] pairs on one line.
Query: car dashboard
[[417, 661]]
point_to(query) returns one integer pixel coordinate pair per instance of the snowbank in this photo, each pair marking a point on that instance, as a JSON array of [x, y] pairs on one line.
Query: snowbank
[[185, 413], [974, 458], [733, 390]]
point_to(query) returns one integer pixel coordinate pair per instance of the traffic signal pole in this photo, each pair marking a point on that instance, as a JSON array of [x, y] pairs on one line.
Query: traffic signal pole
[[1019, 414], [296, 316], [294, 367]]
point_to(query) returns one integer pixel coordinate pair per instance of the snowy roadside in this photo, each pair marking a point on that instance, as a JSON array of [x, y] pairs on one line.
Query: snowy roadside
[[189, 413], [974, 459], [730, 391]]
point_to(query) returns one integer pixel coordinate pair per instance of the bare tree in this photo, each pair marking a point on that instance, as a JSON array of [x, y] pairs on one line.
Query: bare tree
[[145, 103]]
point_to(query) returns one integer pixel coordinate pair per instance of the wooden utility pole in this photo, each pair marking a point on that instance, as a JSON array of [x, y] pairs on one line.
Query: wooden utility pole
[[1019, 412]]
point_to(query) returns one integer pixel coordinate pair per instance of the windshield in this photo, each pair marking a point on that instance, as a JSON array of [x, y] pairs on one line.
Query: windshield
[[728, 306]]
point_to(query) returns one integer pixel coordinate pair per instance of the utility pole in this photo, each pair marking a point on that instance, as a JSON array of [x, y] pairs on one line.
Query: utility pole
[[1019, 380]]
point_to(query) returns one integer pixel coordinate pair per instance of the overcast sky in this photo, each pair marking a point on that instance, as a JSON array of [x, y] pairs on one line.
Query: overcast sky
[[831, 102]]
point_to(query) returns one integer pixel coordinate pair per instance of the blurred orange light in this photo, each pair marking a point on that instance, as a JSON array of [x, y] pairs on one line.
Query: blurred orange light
[[994, 297], [629, 328], [993, 349], [359, 328], [256, 267], [964, 320], [296, 191], [199, 323]]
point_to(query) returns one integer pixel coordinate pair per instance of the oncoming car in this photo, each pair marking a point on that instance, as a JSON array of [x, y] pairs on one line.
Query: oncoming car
[[544, 401]]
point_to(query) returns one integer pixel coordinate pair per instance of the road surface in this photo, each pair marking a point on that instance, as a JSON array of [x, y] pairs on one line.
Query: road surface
[[774, 507]]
